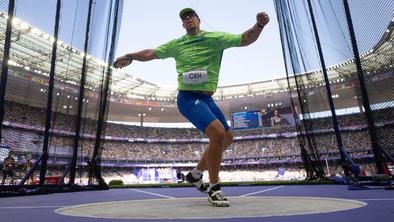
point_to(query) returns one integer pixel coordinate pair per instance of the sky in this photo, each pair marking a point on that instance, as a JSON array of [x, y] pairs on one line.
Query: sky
[[150, 23]]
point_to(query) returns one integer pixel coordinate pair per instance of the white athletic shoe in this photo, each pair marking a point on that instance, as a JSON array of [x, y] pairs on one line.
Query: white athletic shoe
[[216, 197]]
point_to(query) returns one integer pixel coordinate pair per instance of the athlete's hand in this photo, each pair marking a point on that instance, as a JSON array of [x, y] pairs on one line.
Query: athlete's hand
[[122, 61], [262, 19]]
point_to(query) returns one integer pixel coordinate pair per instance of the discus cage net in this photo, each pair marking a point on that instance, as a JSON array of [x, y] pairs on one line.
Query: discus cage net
[[339, 58], [55, 80]]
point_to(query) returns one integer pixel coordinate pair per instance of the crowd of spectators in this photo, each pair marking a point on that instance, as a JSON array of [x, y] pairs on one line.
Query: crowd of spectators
[[27, 140], [23, 114]]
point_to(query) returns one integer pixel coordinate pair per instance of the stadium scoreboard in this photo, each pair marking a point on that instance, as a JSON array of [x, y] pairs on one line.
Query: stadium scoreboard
[[246, 120]]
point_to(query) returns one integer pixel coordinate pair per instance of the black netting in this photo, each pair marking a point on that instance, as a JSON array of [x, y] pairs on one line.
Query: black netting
[[28, 86], [339, 111], [373, 27]]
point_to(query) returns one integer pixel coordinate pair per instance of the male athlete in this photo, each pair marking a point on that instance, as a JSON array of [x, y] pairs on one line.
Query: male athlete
[[198, 55]]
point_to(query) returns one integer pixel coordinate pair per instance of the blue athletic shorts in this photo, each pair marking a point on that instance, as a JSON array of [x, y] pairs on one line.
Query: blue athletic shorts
[[199, 109]]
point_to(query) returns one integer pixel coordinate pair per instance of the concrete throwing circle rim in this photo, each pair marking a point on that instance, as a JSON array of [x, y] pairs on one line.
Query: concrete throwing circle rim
[[199, 208]]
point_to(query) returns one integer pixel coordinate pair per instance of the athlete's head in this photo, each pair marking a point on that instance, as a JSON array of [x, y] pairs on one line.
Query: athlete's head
[[190, 19]]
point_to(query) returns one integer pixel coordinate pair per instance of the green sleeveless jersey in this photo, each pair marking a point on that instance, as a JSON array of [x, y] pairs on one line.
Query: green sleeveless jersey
[[198, 58]]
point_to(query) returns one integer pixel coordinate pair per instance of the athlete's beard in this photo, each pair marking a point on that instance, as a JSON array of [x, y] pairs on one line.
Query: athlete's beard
[[192, 30]]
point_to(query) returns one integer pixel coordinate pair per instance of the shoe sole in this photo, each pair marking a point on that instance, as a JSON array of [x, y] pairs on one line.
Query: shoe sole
[[218, 204]]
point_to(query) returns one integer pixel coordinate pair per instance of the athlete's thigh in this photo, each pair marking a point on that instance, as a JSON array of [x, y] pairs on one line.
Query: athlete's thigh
[[196, 110], [218, 113]]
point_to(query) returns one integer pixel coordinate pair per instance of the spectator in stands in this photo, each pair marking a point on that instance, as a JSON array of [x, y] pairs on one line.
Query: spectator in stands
[[198, 55], [8, 168]]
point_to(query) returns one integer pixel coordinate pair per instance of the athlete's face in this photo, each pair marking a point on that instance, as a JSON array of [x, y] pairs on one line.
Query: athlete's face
[[190, 21]]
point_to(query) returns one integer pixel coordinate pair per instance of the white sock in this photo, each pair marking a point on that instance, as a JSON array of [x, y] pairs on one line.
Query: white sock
[[212, 185], [196, 173]]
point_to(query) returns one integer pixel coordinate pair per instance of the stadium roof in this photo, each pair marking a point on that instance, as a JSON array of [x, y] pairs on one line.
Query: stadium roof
[[32, 48]]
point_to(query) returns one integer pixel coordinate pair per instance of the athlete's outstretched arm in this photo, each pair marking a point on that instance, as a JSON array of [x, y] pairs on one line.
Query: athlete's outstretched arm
[[251, 35], [144, 55]]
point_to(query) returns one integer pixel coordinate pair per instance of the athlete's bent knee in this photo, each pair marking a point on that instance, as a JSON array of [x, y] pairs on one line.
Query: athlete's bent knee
[[228, 139], [215, 131]]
